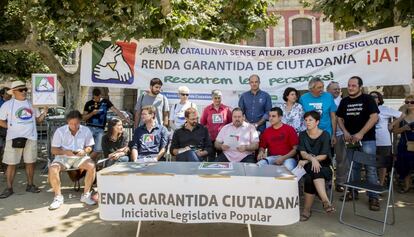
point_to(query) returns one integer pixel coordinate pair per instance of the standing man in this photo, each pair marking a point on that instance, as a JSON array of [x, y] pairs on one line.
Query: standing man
[[191, 142], [177, 118], [256, 104], [71, 145], [342, 164], [280, 140], [150, 140], [322, 102], [94, 113], [21, 139], [215, 117], [357, 116], [4, 96], [238, 140], [156, 99]]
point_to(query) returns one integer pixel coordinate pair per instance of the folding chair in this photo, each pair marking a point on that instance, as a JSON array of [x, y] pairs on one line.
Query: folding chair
[[370, 160]]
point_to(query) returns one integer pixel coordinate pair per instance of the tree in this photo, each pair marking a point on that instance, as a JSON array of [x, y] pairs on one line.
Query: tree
[[53, 28]]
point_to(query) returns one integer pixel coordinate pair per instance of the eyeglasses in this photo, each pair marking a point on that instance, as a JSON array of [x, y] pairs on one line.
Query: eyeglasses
[[409, 102], [185, 94], [22, 90]]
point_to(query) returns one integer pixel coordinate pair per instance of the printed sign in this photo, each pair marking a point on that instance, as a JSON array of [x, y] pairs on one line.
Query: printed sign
[[44, 89]]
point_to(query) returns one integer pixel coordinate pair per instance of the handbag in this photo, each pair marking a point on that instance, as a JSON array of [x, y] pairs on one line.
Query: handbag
[[410, 144], [19, 142]]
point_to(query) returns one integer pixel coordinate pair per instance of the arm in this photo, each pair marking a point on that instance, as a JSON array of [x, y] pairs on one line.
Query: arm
[[60, 151], [3, 123], [121, 115], [334, 124], [219, 145], [87, 115], [290, 154], [373, 119], [42, 116], [137, 118], [165, 118], [134, 154], [397, 129], [341, 124]]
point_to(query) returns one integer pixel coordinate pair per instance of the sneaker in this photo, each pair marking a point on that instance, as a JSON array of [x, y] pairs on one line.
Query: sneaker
[[32, 188], [86, 198], [374, 204], [6, 193], [57, 202]]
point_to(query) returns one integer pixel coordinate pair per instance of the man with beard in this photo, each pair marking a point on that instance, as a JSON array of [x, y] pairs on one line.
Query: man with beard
[[155, 98], [191, 142], [357, 116], [238, 140]]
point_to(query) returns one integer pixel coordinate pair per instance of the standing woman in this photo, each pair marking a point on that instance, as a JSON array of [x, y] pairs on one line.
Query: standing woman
[[315, 151], [292, 110], [382, 131], [405, 158], [114, 143]]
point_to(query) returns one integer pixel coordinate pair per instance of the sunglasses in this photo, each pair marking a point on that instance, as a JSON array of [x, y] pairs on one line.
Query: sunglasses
[[409, 102], [22, 90], [374, 96], [217, 98], [185, 94]]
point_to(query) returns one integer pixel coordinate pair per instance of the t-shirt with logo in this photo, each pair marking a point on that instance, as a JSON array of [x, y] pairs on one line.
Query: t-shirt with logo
[[177, 113], [279, 141], [356, 112], [150, 142], [20, 116], [99, 119]]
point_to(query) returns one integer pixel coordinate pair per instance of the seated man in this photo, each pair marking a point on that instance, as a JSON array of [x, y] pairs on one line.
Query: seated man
[[71, 145], [280, 140], [238, 140], [150, 139], [191, 142]]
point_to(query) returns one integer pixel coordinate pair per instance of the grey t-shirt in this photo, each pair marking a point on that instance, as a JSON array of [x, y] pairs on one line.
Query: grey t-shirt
[[160, 102]]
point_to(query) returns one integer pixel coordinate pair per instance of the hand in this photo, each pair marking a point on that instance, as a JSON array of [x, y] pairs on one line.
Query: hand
[[302, 163], [81, 153], [199, 153], [122, 69], [357, 137], [406, 127], [104, 72], [95, 111], [242, 148], [224, 147], [333, 140], [114, 156], [109, 54], [261, 155], [347, 136], [279, 161], [316, 167]]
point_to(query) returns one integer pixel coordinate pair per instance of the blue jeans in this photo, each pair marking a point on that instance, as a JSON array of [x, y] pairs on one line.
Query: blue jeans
[[97, 134], [368, 147], [289, 163]]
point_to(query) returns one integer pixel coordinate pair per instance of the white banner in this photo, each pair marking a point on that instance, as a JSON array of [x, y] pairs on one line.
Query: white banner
[[196, 198], [381, 57]]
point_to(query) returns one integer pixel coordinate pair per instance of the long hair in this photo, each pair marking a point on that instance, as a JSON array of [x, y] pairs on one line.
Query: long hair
[[111, 124]]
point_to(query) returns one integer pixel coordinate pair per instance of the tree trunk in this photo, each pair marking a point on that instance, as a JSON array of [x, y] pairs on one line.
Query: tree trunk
[[71, 86]]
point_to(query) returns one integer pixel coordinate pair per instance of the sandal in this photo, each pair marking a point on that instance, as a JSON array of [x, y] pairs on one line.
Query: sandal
[[328, 207], [304, 217], [6, 193], [403, 190]]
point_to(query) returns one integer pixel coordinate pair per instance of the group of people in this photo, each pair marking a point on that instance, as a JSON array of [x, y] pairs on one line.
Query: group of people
[[305, 131]]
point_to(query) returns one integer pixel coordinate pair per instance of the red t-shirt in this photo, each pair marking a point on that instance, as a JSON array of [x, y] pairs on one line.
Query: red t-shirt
[[279, 141]]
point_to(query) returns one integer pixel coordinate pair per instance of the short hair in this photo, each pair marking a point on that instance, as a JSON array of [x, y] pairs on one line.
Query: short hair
[[278, 110], [74, 114], [155, 81], [360, 82], [4, 90], [96, 92], [287, 92], [150, 108], [313, 81], [237, 109], [189, 111], [331, 83], [254, 75], [216, 92], [380, 97], [183, 89], [314, 114]]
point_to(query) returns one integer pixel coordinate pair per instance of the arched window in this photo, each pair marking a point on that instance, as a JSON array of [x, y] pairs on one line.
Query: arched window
[[301, 31], [259, 38]]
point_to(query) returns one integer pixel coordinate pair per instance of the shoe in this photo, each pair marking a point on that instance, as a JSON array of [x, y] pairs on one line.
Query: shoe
[[57, 202], [86, 198], [6, 193], [328, 207], [304, 217], [374, 204], [32, 188], [349, 197], [339, 189]]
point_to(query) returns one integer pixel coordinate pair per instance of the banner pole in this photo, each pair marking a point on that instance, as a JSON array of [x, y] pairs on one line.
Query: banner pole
[[138, 228], [249, 230]]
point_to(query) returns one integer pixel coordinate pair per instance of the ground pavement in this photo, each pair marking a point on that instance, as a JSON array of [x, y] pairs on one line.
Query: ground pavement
[[27, 214]]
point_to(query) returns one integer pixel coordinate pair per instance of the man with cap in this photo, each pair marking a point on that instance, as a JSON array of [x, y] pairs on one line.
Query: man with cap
[[177, 118], [215, 116], [19, 117]]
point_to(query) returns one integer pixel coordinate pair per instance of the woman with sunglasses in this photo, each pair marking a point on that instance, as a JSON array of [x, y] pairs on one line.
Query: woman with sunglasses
[[177, 118], [405, 158], [114, 143], [382, 131]]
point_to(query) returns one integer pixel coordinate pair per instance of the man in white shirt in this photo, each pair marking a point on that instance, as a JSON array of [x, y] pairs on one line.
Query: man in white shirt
[[71, 145], [19, 117]]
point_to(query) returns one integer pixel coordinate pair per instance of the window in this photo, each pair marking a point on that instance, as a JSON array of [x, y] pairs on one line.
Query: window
[[351, 33], [301, 31], [259, 39]]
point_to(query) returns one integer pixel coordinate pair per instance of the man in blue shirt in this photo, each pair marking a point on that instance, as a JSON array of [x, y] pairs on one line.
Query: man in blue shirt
[[256, 104], [150, 139], [323, 102]]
